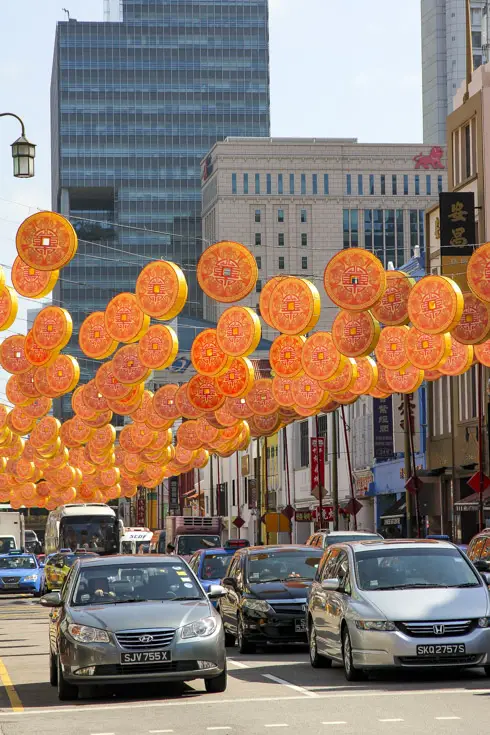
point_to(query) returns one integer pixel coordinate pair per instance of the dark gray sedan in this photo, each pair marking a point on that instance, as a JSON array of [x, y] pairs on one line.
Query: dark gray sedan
[[134, 619]]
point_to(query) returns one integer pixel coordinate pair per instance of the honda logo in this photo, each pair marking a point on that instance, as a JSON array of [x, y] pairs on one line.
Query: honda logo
[[145, 638], [439, 629]]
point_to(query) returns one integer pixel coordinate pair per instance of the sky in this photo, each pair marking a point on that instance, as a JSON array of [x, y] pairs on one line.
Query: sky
[[338, 69]]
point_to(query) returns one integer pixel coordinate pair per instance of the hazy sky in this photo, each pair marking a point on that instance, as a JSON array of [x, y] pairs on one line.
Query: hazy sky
[[338, 69]]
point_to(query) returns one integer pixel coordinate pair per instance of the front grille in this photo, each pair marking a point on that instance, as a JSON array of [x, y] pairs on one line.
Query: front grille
[[155, 639], [10, 580], [428, 628], [289, 609], [157, 668], [420, 661]]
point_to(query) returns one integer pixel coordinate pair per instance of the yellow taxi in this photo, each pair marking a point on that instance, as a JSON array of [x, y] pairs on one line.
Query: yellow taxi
[[58, 565]]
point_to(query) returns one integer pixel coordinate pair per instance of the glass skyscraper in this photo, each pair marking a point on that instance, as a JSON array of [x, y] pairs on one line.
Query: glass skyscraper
[[135, 105]]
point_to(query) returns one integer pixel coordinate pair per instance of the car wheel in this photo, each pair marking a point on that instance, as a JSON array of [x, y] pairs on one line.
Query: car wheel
[[66, 692], [53, 671], [229, 639], [218, 684], [351, 673], [244, 645], [316, 660]]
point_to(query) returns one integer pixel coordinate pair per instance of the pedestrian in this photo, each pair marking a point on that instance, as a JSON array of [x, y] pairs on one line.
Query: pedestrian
[[170, 549]]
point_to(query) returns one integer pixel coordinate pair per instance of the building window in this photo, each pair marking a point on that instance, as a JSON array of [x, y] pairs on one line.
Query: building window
[[417, 185], [304, 263], [421, 228], [383, 184], [476, 39], [405, 184], [303, 215], [280, 215], [291, 183], [368, 229], [351, 228], [428, 185], [280, 262], [258, 286], [245, 183], [268, 180], [371, 185], [280, 184], [414, 229], [257, 215], [257, 183], [258, 238], [303, 184], [314, 183], [378, 227], [348, 184], [394, 187], [389, 231], [439, 184], [400, 245], [280, 239], [323, 427], [360, 186], [304, 444], [258, 260], [233, 184], [325, 184], [304, 239]]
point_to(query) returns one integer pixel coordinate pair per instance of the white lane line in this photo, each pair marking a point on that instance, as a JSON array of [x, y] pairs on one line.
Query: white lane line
[[392, 719], [335, 722], [158, 731], [305, 692], [447, 718], [221, 727], [102, 733], [238, 664], [277, 724]]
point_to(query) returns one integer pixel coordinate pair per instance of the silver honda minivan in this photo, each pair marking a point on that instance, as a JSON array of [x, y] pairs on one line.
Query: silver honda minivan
[[398, 603]]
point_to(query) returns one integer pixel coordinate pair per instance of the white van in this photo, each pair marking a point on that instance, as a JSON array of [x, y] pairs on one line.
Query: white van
[[133, 538]]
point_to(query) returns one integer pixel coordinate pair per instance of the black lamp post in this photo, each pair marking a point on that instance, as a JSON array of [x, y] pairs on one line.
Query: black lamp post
[[23, 152]]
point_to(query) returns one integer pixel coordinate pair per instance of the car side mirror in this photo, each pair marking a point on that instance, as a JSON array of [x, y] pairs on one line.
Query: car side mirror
[[482, 565], [333, 585], [216, 591], [52, 599], [486, 578], [230, 582]]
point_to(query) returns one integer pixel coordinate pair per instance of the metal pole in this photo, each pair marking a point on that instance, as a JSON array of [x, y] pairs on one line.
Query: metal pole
[[211, 486], [414, 470], [238, 490], [266, 485], [201, 511], [258, 479], [218, 492], [11, 114], [320, 488], [335, 473], [408, 469], [481, 515], [349, 466], [288, 484]]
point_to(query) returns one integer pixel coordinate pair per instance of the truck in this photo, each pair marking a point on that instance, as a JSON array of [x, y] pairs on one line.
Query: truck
[[133, 539], [12, 531], [191, 533]]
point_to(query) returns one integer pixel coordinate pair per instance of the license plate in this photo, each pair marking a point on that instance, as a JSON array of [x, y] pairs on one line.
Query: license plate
[[10, 584], [442, 649], [146, 657], [300, 625]]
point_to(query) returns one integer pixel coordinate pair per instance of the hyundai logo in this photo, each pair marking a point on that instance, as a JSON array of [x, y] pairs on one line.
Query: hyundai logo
[[303, 607], [145, 638], [439, 629]]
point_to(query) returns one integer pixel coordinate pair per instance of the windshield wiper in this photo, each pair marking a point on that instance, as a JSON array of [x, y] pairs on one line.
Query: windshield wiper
[[131, 599], [178, 599], [266, 581], [411, 586], [465, 584]]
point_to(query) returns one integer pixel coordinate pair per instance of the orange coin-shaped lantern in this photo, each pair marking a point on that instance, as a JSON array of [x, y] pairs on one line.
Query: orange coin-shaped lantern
[[14, 393], [93, 398], [12, 355], [108, 384], [432, 375], [426, 351], [130, 403], [460, 359], [344, 380], [382, 386], [205, 432], [346, 398], [265, 425], [46, 241], [79, 431], [482, 353], [161, 290], [20, 422], [52, 328], [435, 304], [154, 421], [308, 393], [79, 406], [474, 325], [42, 385], [146, 405], [227, 272], [367, 376], [27, 385], [207, 356], [36, 355], [261, 399], [238, 331], [184, 406], [125, 321], [127, 366], [201, 459], [204, 394], [265, 298], [355, 334], [187, 435], [8, 307], [238, 379], [238, 407], [354, 279], [31, 282], [406, 380], [225, 418], [100, 419], [282, 390], [63, 374], [39, 407], [94, 339], [294, 306], [392, 308], [158, 348], [320, 359], [391, 348], [478, 272], [47, 431], [285, 355], [164, 402]]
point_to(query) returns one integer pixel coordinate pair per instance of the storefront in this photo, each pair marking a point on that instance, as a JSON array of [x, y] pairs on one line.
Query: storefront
[[466, 516]]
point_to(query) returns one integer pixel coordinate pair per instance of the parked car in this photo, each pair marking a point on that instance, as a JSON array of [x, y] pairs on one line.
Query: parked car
[[479, 550], [326, 538], [266, 594], [398, 603], [134, 619], [210, 565], [20, 572], [57, 566]]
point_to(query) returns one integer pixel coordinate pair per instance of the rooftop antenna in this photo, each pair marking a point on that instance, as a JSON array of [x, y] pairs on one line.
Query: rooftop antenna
[[67, 12], [469, 51]]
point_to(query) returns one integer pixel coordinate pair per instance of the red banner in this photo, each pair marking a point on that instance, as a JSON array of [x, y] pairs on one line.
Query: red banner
[[317, 462]]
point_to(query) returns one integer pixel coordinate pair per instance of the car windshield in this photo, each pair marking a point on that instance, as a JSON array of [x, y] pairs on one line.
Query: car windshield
[[214, 566], [18, 562], [88, 532], [281, 565], [188, 545], [70, 559], [7, 544], [341, 538], [409, 568], [120, 583]]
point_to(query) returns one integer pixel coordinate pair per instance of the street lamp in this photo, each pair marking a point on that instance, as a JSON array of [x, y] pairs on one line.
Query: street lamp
[[23, 152]]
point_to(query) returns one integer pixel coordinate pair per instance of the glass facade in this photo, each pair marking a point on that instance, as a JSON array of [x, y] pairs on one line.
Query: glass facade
[[384, 235], [135, 106]]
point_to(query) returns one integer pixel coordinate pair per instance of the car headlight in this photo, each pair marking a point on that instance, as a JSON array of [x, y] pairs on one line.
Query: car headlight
[[30, 578], [483, 622], [375, 625], [199, 629], [259, 606], [86, 634]]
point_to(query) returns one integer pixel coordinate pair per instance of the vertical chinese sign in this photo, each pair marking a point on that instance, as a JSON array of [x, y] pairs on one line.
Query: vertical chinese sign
[[141, 508], [317, 464], [383, 428], [173, 496], [457, 233]]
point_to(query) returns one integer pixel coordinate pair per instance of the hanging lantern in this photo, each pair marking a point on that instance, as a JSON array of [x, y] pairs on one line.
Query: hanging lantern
[[294, 306], [482, 353], [477, 272], [265, 297], [265, 425], [474, 325], [382, 386], [31, 282], [426, 351], [37, 356], [227, 271], [52, 328], [205, 432], [460, 359], [238, 379], [225, 418], [164, 402], [308, 393], [39, 407], [26, 384], [42, 385], [101, 419], [46, 241], [14, 394], [391, 350], [354, 279], [282, 390], [285, 355], [93, 398], [108, 385], [63, 374], [161, 290], [158, 348], [355, 334], [238, 407], [435, 304], [261, 399], [12, 355], [204, 394], [405, 380], [125, 321], [367, 376], [392, 308], [94, 339], [238, 331], [127, 366], [8, 307], [344, 380], [187, 435], [184, 406], [320, 359], [432, 375], [207, 356]]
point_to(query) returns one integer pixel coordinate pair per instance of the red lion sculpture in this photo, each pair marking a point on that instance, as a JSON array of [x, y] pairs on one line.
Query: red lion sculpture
[[433, 160]]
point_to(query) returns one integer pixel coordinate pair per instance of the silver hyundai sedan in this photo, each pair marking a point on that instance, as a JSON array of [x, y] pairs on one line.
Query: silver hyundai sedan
[[403, 603], [134, 619]]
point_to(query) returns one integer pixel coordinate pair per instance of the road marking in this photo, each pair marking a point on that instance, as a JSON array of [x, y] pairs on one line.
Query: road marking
[[277, 724], [335, 722], [305, 692], [102, 733], [238, 664], [392, 719], [157, 731], [220, 727], [447, 718], [14, 698]]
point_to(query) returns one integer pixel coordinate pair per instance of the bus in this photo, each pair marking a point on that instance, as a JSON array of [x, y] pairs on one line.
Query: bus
[[90, 526]]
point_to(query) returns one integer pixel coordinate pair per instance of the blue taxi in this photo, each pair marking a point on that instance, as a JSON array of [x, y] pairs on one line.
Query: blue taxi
[[210, 565], [20, 572]]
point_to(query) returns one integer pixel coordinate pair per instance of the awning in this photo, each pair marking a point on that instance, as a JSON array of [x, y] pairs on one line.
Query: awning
[[472, 502], [395, 512]]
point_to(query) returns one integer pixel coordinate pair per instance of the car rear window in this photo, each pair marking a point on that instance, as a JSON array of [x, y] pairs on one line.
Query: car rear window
[[342, 538]]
